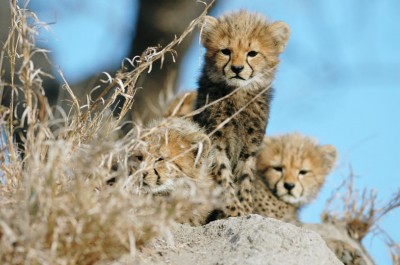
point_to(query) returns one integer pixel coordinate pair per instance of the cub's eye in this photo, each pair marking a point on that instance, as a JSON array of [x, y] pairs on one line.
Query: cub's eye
[[303, 172], [226, 51], [139, 157], [252, 53], [278, 168], [160, 159]]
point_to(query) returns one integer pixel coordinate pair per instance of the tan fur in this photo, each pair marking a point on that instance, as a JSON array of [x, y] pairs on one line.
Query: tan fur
[[268, 205], [242, 32], [177, 152], [242, 52], [297, 161], [181, 105]]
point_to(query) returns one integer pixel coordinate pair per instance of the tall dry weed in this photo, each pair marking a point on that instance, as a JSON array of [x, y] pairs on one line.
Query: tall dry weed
[[55, 207], [358, 213]]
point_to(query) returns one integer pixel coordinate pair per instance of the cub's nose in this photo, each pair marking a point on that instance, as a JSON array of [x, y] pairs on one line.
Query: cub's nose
[[237, 69], [289, 186]]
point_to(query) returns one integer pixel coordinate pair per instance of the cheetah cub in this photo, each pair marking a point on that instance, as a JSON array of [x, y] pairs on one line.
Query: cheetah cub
[[176, 157], [241, 58], [291, 170]]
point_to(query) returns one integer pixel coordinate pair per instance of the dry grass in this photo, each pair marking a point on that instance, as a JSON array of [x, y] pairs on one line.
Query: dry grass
[[358, 212], [355, 210], [393, 247], [55, 207], [395, 253]]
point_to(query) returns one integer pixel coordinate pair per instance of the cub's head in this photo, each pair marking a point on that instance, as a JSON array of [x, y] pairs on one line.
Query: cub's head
[[175, 151], [181, 105], [294, 167], [242, 48]]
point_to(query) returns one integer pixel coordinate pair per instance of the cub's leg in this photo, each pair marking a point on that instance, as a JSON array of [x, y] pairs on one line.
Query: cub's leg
[[244, 180], [244, 171], [222, 175]]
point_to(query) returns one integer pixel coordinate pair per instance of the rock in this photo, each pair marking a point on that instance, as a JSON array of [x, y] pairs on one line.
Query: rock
[[242, 240]]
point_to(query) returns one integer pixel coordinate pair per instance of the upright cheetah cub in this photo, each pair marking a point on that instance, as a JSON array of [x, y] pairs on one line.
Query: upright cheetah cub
[[241, 58], [291, 170]]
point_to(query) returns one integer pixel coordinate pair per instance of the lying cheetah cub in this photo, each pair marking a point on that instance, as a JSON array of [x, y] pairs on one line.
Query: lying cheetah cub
[[291, 170], [177, 155]]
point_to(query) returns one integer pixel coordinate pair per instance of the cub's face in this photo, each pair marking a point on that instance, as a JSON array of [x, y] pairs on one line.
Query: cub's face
[[243, 48], [165, 163], [172, 155], [294, 167]]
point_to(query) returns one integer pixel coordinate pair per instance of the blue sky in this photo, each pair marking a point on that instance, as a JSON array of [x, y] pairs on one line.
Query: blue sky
[[339, 79]]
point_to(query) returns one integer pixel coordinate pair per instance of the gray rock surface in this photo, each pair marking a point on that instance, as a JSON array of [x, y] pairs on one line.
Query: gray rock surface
[[244, 240]]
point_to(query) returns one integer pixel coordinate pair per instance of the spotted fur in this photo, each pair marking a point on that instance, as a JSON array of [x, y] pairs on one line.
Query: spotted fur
[[177, 155], [241, 57], [291, 170]]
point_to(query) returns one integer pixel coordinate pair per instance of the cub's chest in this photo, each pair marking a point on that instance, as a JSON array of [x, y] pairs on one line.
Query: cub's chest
[[238, 112], [266, 204]]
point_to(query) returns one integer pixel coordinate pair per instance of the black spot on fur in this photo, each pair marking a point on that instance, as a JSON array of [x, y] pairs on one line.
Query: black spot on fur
[[243, 177], [229, 111], [215, 215]]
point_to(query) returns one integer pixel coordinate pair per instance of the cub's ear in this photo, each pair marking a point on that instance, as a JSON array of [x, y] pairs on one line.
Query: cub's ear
[[329, 155], [264, 152], [208, 26], [266, 141], [280, 32]]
